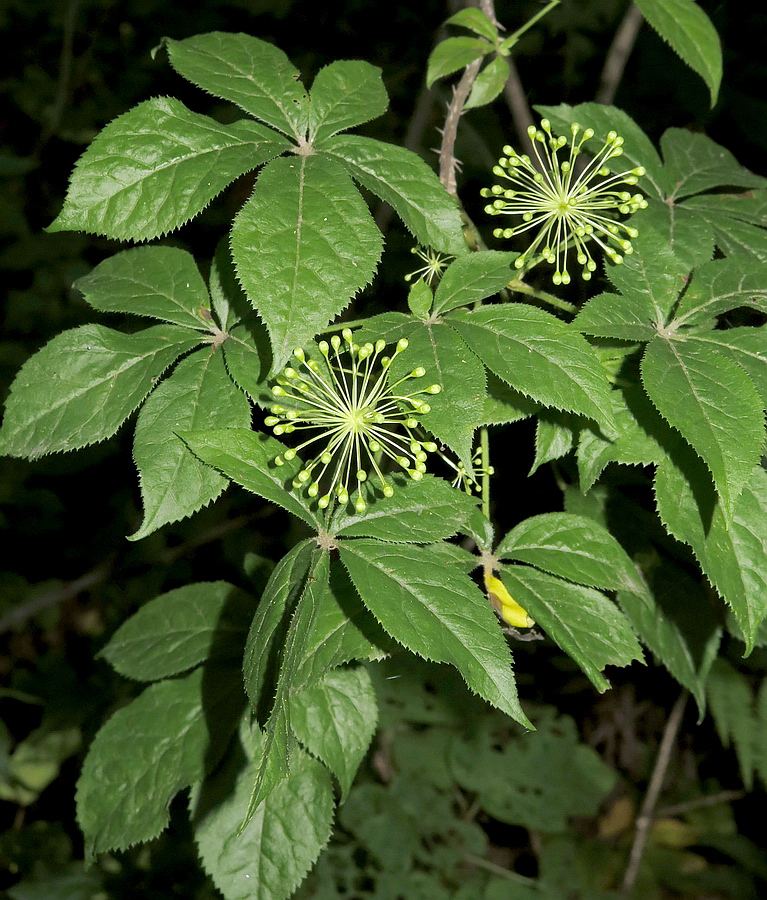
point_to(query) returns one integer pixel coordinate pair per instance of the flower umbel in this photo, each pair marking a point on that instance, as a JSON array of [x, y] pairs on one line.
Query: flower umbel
[[570, 204], [435, 265], [354, 417]]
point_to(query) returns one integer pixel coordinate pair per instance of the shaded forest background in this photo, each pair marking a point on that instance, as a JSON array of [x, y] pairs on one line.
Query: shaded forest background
[[68, 575]]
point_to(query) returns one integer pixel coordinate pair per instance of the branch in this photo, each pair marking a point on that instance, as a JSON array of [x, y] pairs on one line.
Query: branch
[[618, 54], [19, 614], [645, 818], [447, 160]]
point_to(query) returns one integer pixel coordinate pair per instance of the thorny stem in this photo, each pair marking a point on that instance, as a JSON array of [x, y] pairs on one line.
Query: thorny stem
[[645, 817], [447, 160]]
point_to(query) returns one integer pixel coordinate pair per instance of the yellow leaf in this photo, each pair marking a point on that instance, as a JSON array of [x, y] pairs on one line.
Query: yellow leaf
[[505, 605]]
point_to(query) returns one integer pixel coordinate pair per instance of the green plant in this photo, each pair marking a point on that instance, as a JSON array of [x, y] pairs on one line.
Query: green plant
[[664, 369]]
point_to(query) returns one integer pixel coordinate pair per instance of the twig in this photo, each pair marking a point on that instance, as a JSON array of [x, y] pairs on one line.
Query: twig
[[618, 54], [24, 611], [447, 160], [645, 818], [679, 809]]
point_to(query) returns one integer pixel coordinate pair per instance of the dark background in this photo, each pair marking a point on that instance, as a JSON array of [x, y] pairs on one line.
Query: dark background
[[68, 575]]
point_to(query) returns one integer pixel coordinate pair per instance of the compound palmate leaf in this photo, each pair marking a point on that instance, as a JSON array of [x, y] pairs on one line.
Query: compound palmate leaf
[[436, 612], [304, 245], [156, 166], [174, 483], [84, 384], [539, 355]]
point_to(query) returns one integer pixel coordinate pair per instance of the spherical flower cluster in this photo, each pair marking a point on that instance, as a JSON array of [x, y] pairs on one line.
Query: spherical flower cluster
[[569, 201], [434, 265], [356, 419]]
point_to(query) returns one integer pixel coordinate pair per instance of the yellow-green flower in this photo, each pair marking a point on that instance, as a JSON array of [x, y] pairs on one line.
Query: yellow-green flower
[[434, 265], [355, 418], [571, 202]]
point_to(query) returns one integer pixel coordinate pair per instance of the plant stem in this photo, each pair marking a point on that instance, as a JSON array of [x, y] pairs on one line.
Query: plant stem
[[484, 443], [618, 54], [645, 817], [521, 288], [529, 24]]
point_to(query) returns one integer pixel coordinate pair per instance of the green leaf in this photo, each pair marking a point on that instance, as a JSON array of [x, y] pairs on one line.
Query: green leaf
[[248, 358], [475, 20], [227, 296], [133, 771], [344, 94], [335, 720], [675, 617], [84, 384], [638, 149], [713, 403], [404, 181], [555, 435], [690, 33], [156, 167], [572, 547], [650, 281], [695, 163], [489, 83], [503, 404], [419, 512], [585, 624], [613, 316], [174, 483], [343, 630], [737, 220], [304, 245], [473, 277], [256, 76], [538, 355], [459, 407], [247, 457], [453, 54], [732, 553], [731, 702], [438, 613], [269, 857], [537, 780], [687, 233], [720, 286], [163, 282], [270, 624], [419, 299], [745, 346], [179, 630], [277, 749]]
